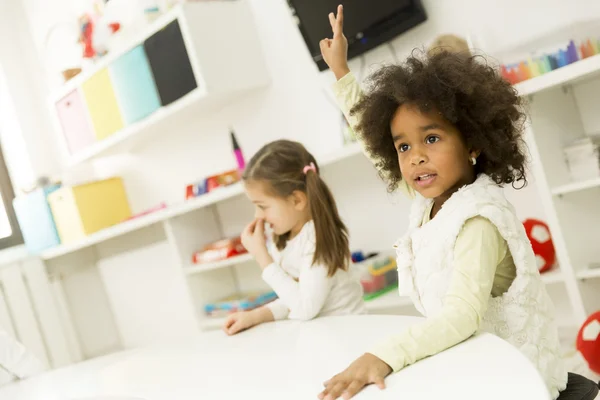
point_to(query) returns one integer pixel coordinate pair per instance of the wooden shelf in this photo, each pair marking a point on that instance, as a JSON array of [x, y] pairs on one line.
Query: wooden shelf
[[565, 75], [576, 187], [197, 268]]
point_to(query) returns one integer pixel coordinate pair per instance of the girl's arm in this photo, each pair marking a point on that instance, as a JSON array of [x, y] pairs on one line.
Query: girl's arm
[[347, 91], [278, 311], [478, 250], [241, 321], [304, 298]]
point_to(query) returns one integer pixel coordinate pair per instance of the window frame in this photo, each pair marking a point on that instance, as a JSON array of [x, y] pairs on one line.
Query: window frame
[[8, 195]]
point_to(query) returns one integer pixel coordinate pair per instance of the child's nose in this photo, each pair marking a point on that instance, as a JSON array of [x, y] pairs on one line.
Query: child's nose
[[258, 213], [418, 156]]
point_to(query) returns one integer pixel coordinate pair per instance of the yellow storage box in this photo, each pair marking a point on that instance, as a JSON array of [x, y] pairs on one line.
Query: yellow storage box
[[102, 104], [84, 209]]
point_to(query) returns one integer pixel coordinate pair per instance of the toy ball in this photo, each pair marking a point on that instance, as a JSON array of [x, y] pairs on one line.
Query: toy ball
[[541, 242], [588, 341]]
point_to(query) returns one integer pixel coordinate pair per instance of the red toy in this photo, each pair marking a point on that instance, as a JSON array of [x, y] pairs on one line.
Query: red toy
[[219, 250], [588, 341], [541, 242], [93, 31]]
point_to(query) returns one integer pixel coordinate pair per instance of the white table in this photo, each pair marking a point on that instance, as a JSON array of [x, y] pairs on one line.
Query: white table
[[289, 360]]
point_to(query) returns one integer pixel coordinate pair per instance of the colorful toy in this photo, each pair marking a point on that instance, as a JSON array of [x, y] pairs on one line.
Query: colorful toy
[[94, 32], [238, 303], [211, 183], [378, 275], [521, 71], [541, 242], [219, 250], [588, 341], [237, 152]]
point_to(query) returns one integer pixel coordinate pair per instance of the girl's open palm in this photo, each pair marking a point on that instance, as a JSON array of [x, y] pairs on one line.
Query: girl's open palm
[[335, 51]]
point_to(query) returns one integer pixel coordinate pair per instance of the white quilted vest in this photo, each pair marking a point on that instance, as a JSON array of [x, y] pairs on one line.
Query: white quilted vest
[[524, 315]]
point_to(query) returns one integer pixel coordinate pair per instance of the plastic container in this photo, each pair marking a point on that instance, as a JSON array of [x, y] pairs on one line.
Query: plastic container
[[134, 85], [219, 251], [102, 104], [377, 274], [36, 220], [238, 303], [583, 158], [84, 209]]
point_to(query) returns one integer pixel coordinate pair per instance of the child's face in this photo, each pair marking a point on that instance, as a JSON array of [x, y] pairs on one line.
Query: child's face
[[284, 215], [433, 157]]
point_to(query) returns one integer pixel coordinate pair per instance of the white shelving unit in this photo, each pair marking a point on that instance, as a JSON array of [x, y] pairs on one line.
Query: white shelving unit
[[218, 76], [180, 229], [561, 108]]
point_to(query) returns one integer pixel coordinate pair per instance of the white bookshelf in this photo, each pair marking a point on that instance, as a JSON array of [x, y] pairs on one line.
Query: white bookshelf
[[560, 106], [207, 200], [219, 79]]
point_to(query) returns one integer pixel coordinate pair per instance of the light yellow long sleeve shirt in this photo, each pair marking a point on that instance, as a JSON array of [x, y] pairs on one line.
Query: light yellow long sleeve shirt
[[483, 267]]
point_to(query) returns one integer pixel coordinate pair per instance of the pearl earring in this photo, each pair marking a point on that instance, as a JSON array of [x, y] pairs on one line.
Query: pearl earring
[[473, 160]]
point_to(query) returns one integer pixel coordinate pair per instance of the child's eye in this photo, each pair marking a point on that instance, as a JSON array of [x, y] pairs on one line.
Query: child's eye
[[262, 207], [432, 139], [403, 147]]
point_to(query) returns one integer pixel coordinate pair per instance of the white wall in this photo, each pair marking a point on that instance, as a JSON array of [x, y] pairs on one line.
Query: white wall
[[24, 123]]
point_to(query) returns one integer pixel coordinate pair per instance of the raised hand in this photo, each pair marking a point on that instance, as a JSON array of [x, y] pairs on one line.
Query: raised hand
[[335, 50]]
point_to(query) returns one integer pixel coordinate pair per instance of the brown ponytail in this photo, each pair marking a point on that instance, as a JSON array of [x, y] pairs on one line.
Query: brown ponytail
[[282, 164]]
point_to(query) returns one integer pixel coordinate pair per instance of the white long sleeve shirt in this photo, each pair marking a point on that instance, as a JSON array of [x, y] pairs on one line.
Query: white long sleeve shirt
[[304, 290]]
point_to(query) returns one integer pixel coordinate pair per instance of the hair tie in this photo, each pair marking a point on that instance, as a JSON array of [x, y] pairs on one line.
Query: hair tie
[[310, 167]]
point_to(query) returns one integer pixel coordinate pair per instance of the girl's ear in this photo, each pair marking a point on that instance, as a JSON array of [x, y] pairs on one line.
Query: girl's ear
[[299, 200], [474, 154]]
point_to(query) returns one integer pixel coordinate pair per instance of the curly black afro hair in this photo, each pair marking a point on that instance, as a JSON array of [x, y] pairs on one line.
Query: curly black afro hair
[[470, 94]]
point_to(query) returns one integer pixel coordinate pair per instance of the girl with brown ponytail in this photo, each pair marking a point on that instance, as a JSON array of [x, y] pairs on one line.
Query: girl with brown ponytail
[[307, 264]]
